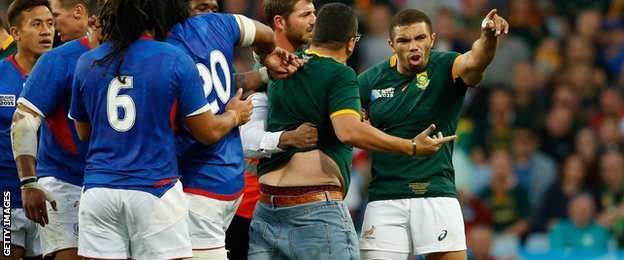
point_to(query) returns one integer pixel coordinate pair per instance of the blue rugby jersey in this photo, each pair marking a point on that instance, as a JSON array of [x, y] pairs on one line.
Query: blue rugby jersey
[[132, 142]]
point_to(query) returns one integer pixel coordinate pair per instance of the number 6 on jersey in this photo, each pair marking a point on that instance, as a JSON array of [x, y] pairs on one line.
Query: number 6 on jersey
[[114, 101]]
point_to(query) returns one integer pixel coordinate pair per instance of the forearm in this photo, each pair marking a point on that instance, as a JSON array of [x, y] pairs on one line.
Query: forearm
[[223, 124], [369, 138], [26, 166], [483, 51], [24, 140], [249, 80], [285, 140], [208, 128]]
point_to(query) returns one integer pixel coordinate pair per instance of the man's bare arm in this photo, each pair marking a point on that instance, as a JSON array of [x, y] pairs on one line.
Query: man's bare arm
[[350, 130]]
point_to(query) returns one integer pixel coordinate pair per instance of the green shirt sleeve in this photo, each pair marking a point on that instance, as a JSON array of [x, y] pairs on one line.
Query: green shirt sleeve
[[343, 96]]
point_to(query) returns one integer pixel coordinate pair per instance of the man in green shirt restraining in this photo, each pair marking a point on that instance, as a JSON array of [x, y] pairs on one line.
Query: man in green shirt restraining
[[413, 206], [300, 214]]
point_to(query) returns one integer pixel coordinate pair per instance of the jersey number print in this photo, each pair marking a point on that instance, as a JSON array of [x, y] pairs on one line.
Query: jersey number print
[[213, 82]]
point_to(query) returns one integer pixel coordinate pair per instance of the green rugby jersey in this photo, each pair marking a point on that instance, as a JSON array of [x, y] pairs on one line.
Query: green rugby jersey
[[320, 90], [403, 106]]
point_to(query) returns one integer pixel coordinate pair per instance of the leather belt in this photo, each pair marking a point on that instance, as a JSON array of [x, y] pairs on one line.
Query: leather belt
[[287, 201]]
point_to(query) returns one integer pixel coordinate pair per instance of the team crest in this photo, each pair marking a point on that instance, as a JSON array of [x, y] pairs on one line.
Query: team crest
[[422, 80]]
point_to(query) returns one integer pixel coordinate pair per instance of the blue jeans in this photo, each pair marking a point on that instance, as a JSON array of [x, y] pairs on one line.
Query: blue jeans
[[319, 230]]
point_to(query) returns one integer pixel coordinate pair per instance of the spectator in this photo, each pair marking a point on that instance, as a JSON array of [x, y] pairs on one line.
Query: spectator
[[579, 232], [534, 170], [446, 31], [526, 21], [557, 137], [586, 147], [377, 23], [529, 98], [480, 243], [505, 198], [555, 201]]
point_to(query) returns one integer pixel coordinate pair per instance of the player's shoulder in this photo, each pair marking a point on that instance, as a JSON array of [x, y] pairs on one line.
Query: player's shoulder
[[202, 21], [443, 56]]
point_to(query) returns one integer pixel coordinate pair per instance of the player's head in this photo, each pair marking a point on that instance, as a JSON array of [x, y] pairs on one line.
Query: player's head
[[71, 17], [294, 18], [203, 6], [411, 39], [125, 21], [31, 26], [94, 25], [336, 28]]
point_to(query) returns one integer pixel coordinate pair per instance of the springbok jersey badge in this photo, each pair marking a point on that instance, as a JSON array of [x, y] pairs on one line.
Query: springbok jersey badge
[[422, 80]]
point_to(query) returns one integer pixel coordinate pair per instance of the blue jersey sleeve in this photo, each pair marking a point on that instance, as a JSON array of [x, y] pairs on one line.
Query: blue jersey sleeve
[[46, 84], [78, 109], [191, 96], [225, 25]]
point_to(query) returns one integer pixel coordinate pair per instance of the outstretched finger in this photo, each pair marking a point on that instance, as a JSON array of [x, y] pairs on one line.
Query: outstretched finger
[[446, 139], [491, 14], [429, 130], [505, 26]]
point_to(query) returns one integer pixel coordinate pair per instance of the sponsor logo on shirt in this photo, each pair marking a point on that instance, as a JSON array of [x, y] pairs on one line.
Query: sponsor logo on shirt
[[7, 100]]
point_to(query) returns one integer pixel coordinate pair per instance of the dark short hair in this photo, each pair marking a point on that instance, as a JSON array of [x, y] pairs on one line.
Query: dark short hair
[[91, 5], [18, 6], [408, 17], [272, 8], [335, 24]]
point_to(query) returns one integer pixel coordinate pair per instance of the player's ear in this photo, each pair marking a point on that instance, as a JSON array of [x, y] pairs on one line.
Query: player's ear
[[433, 37], [350, 46], [279, 22], [15, 32], [391, 44], [79, 11]]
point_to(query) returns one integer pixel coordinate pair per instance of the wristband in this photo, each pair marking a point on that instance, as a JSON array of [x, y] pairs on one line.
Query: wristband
[[264, 75], [236, 116], [28, 180], [413, 148]]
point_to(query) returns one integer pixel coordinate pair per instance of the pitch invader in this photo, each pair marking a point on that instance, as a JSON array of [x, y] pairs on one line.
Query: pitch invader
[[31, 26]]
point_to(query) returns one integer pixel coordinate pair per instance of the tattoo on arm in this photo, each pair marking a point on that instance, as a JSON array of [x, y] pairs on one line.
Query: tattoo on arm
[[240, 82]]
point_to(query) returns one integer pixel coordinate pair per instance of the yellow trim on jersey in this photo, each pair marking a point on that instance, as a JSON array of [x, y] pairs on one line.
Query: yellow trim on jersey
[[454, 74], [345, 111], [8, 42], [393, 61], [309, 52]]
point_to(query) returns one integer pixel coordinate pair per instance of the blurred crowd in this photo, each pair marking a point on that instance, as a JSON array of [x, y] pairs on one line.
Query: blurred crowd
[[539, 160]]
